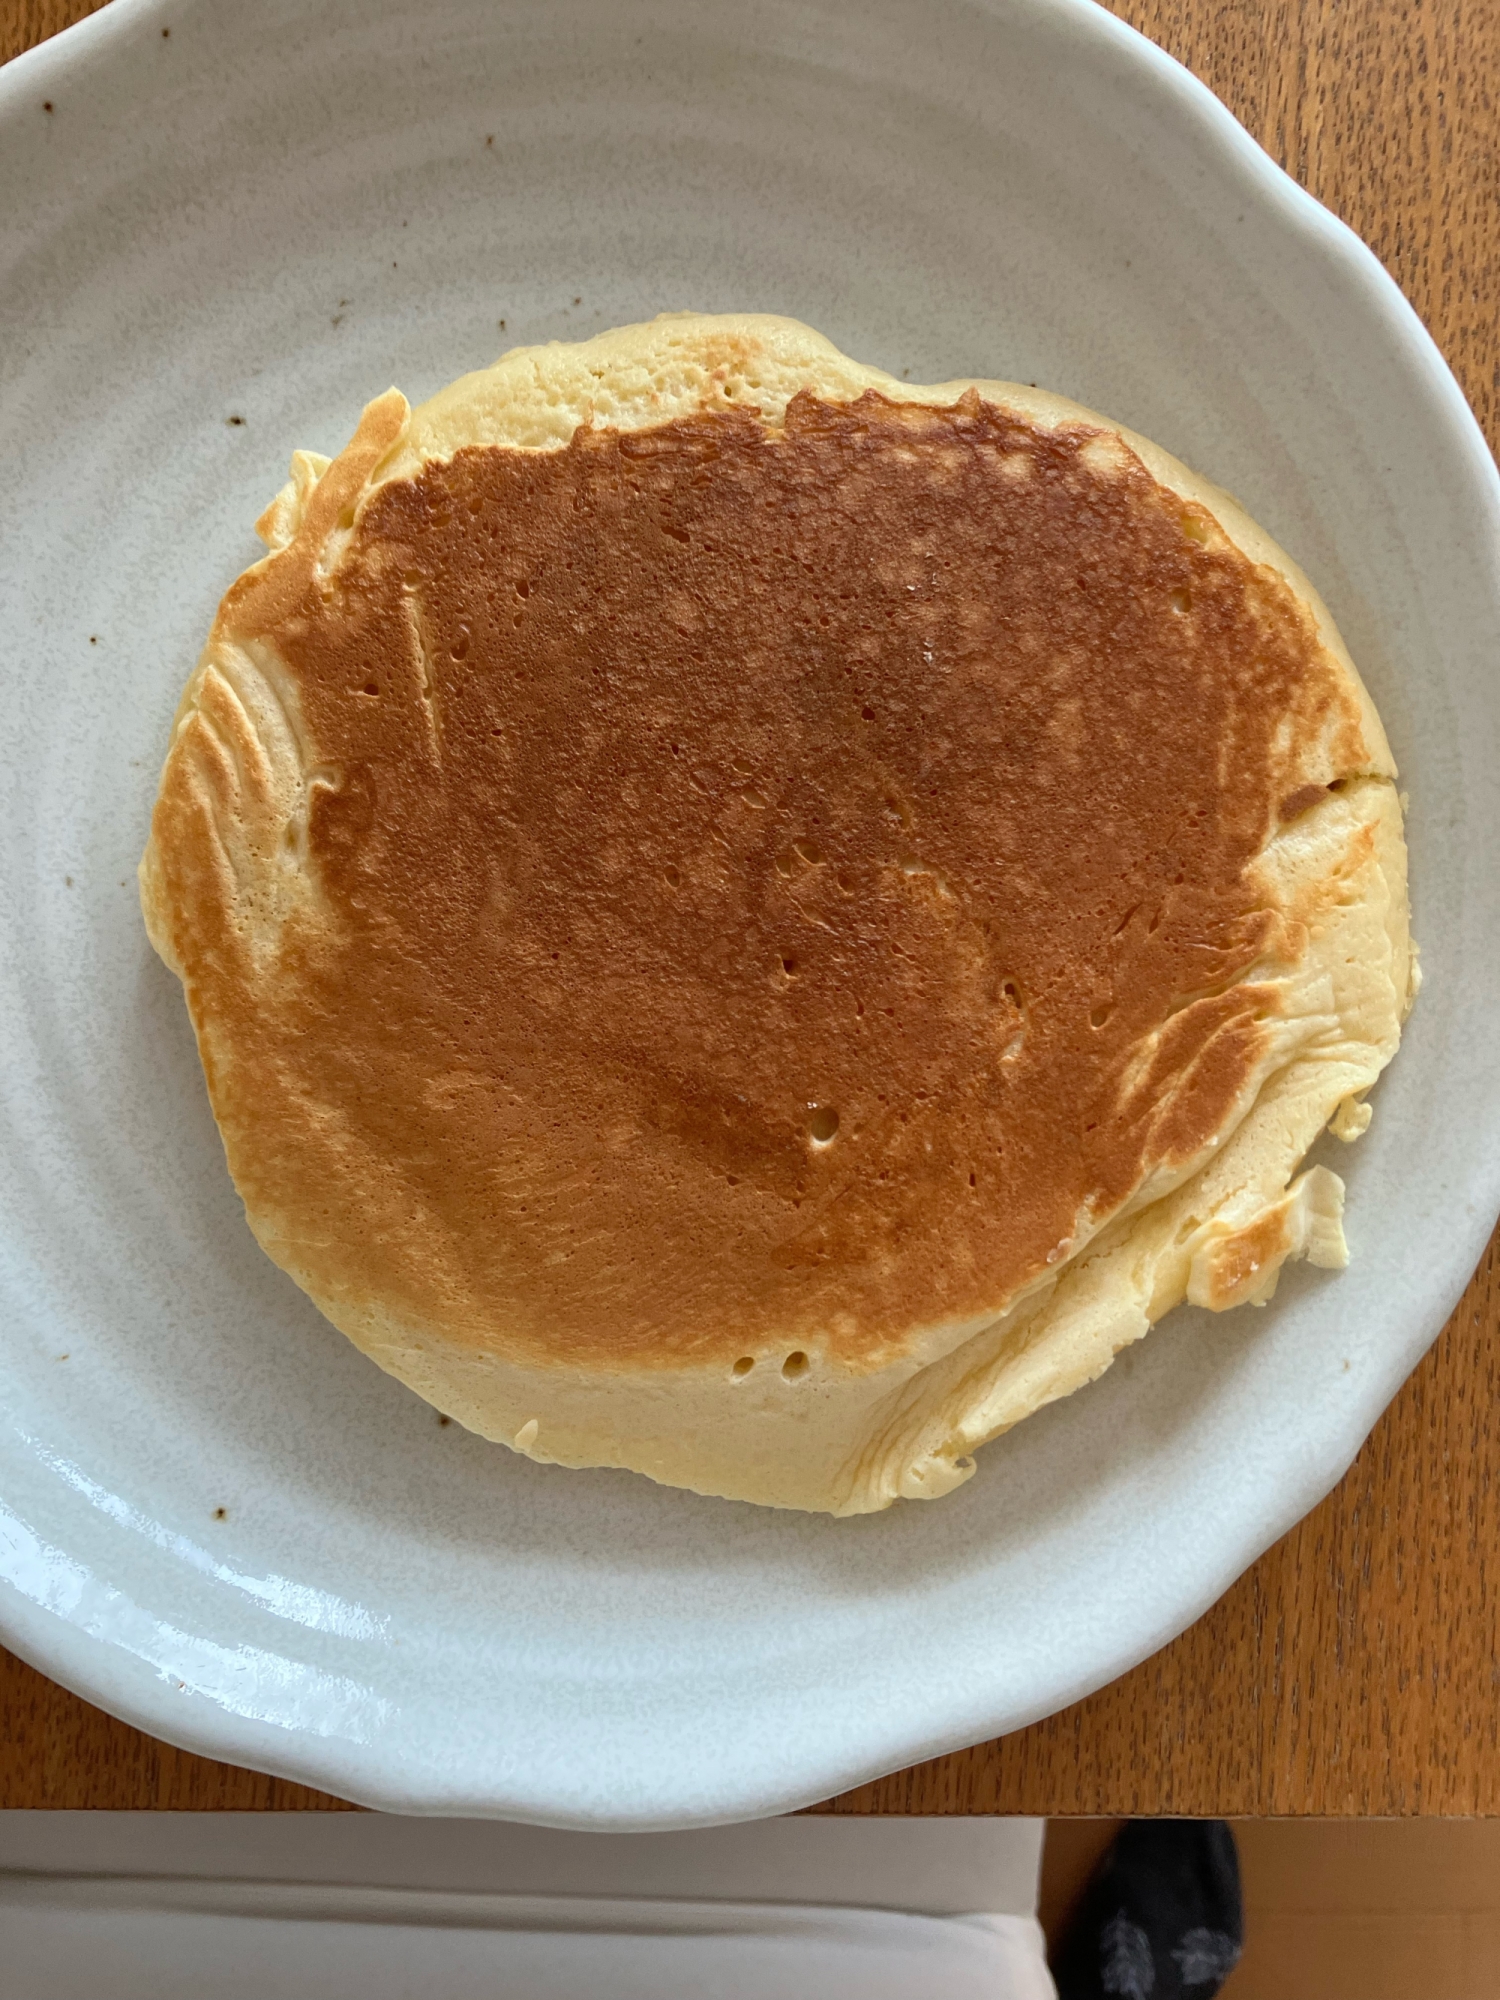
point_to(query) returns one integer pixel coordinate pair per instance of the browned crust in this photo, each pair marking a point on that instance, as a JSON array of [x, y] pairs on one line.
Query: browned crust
[[683, 785]]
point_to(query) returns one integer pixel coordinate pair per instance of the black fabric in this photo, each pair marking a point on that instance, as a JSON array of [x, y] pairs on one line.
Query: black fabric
[[1162, 1918]]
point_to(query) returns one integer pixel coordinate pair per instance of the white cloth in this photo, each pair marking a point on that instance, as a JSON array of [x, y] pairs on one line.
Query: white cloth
[[186, 1907]]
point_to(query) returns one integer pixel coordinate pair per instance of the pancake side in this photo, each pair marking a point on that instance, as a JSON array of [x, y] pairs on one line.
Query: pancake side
[[756, 922]]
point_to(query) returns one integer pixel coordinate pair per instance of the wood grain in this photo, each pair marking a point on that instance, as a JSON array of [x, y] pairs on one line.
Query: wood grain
[[1356, 1668], [24, 23]]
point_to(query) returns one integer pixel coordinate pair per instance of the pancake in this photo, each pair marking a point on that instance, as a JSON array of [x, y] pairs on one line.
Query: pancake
[[757, 922]]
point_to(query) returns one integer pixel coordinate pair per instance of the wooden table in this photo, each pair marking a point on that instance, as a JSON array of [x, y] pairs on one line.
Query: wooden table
[[1356, 1668]]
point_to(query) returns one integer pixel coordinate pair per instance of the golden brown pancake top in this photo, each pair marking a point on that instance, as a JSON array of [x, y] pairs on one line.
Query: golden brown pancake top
[[754, 864]]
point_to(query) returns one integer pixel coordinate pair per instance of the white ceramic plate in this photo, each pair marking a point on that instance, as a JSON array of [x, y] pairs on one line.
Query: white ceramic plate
[[271, 212]]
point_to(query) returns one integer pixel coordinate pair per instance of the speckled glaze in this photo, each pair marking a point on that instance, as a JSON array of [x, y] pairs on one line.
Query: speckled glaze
[[217, 1519]]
